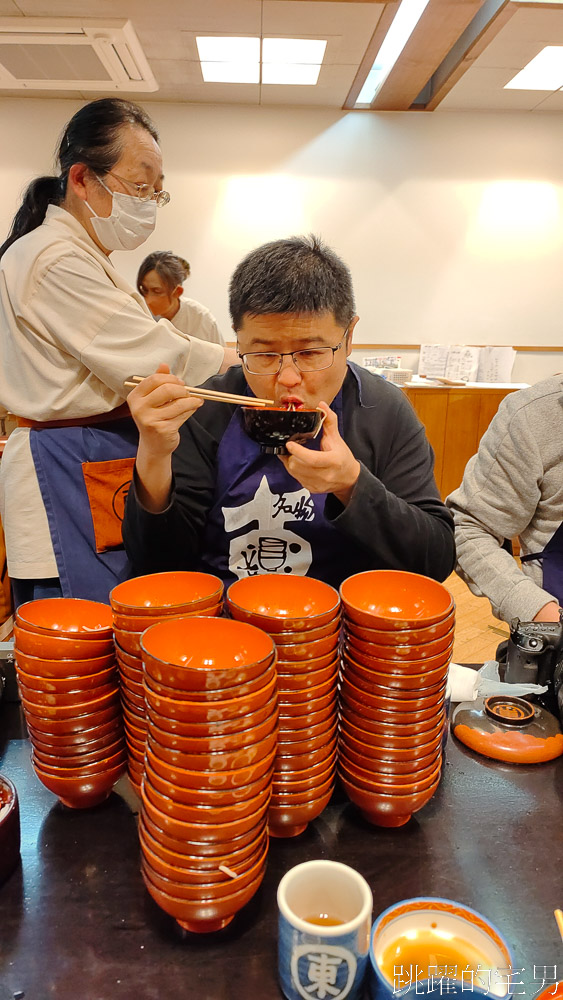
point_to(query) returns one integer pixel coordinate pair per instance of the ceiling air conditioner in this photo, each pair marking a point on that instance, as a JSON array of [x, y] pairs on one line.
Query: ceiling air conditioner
[[38, 53]]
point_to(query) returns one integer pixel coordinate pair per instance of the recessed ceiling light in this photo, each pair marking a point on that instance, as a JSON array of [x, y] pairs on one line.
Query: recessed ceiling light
[[285, 61], [290, 73], [293, 50], [229, 72], [402, 27], [543, 72], [231, 49]]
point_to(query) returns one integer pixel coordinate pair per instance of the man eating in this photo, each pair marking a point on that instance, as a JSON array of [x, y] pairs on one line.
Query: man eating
[[360, 496]]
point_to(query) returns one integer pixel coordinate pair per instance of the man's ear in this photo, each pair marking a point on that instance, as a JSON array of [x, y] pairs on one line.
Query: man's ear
[[178, 291], [351, 326]]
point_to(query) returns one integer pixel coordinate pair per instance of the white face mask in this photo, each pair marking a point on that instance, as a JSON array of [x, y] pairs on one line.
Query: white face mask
[[131, 221]]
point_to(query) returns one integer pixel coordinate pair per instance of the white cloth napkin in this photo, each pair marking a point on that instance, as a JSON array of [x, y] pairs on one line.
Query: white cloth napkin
[[466, 684]]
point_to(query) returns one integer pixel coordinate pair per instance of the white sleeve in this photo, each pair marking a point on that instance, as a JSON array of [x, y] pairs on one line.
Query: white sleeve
[[109, 332]]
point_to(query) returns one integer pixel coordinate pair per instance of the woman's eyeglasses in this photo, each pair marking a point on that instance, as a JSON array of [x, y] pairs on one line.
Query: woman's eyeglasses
[[144, 192]]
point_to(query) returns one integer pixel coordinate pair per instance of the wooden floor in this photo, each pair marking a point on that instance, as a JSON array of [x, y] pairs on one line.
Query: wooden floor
[[477, 631]]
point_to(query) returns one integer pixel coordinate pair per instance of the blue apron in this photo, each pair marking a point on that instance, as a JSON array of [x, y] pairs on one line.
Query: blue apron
[[84, 474], [551, 559], [263, 521]]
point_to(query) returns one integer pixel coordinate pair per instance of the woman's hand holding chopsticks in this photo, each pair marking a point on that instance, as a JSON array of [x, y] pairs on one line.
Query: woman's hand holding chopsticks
[[159, 406]]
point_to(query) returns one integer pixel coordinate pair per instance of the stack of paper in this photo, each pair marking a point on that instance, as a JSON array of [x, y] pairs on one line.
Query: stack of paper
[[462, 362]]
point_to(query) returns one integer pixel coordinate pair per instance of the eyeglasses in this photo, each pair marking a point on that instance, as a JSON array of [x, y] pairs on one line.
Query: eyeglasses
[[313, 360], [144, 192]]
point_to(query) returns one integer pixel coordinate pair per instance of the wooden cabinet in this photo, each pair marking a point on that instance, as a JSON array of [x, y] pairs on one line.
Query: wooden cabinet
[[455, 419]]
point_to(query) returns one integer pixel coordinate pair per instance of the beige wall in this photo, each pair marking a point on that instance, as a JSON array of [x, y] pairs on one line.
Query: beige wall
[[451, 223]]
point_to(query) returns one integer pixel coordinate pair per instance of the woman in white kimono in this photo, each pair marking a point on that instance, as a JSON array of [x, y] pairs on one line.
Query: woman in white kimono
[[72, 331]]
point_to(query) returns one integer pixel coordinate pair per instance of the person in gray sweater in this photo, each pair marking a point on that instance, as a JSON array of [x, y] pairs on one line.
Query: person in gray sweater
[[513, 487]]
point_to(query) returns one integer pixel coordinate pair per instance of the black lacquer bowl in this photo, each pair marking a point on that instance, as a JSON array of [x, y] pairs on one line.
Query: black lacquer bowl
[[273, 427], [9, 828]]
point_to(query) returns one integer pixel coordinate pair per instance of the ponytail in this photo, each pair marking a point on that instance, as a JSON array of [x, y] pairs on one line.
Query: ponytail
[[43, 191]]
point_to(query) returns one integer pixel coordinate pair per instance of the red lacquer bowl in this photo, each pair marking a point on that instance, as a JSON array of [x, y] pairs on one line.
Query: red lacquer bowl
[[215, 694], [61, 669], [211, 711], [54, 647], [283, 603], [382, 809], [400, 653], [236, 724], [377, 766], [415, 666], [166, 593], [401, 637], [205, 653], [140, 623], [66, 617], [378, 748], [213, 833], [398, 734], [247, 736], [175, 880], [202, 867], [205, 915], [291, 637], [306, 651], [391, 599], [192, 810], [205, 850], [68, 685], [217, 761], [81, 793], [289, 820]]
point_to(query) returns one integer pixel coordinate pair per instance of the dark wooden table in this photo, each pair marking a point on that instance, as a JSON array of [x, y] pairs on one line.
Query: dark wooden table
[[76, 922]]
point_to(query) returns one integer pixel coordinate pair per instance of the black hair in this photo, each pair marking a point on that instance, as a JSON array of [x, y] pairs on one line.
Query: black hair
[[295, 275], [93, 137], [172, 269]]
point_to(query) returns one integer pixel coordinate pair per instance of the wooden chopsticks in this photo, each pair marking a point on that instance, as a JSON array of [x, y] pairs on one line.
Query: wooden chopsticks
[[443, 381], [220, 397]]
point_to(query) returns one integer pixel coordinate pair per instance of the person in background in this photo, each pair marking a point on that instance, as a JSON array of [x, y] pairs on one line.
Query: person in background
[[72, 331], [360, 497], [513, 487], [160, 281]]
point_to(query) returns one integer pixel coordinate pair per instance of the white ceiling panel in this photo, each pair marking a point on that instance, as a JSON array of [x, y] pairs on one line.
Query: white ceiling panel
[[167, 32], [554, 102], [524, 35], [474, 90], [165, 44], [334, 81], [521, 39], [184, 78], [355, 22]]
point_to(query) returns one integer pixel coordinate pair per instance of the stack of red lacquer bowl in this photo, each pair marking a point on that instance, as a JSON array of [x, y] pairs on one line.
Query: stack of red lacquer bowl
[[136, 605], [398, 638], [69, 688], [302, 616], [210, 687]]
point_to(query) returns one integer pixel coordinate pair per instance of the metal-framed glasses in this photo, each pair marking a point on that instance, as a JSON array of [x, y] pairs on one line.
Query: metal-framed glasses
[[312, 360], [144, 192]]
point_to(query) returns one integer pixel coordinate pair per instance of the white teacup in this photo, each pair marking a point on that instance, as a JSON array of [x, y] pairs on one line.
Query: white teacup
[[324, 927]]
